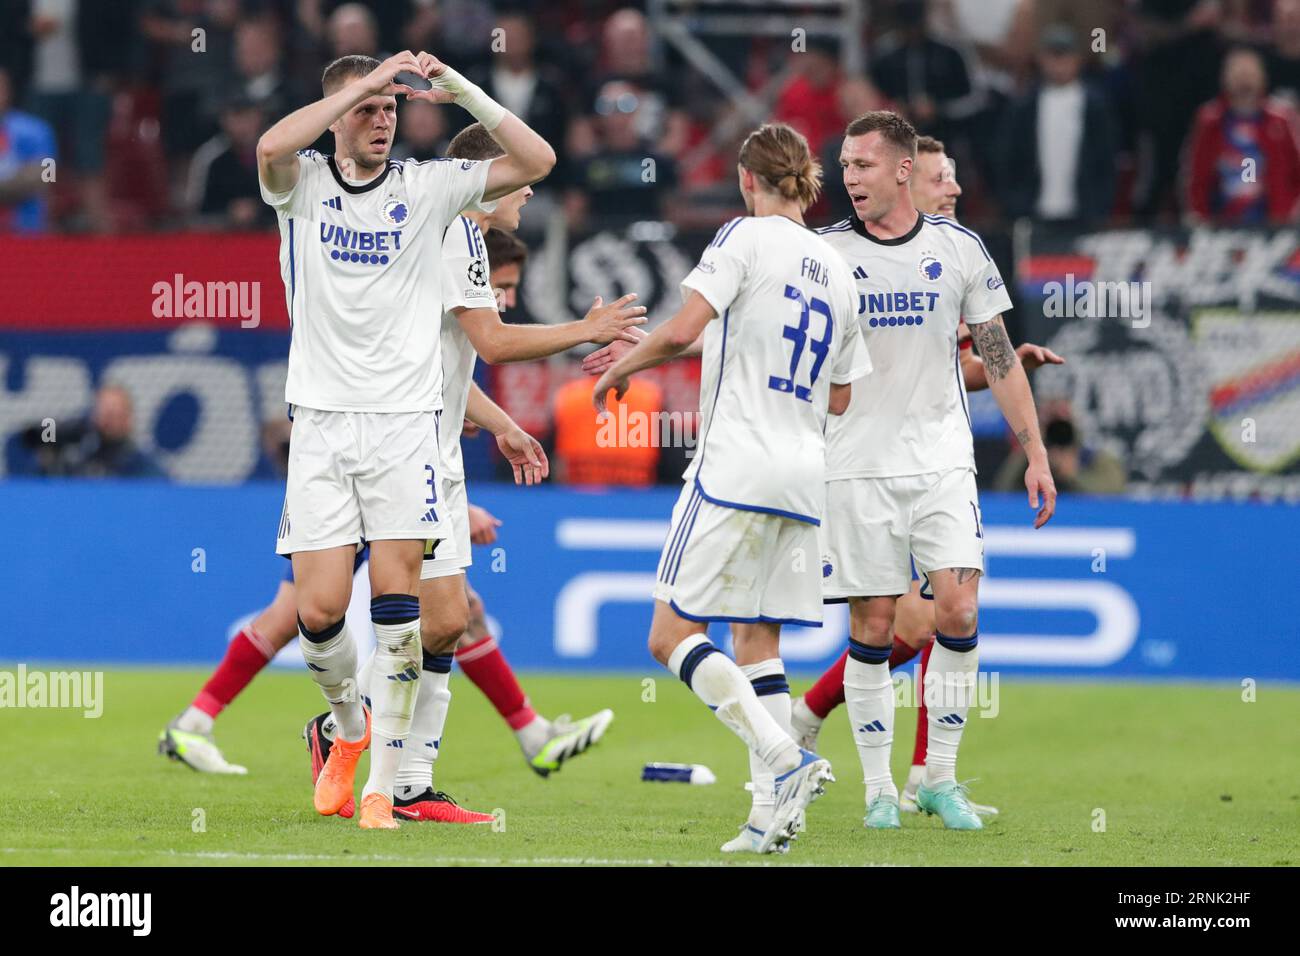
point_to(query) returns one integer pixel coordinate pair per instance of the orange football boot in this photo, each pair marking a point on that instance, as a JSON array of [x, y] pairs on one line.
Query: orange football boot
[[334, 785], [377, 813], [318, 749]]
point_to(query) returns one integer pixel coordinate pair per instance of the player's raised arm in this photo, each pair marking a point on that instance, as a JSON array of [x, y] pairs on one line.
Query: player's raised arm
[[528, 157], [601, 359], [498, 342], [1010, 386], [471, 267], [277, 148], [666, 342]]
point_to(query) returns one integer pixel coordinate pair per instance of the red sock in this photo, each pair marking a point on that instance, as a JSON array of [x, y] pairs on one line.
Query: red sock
[[486, 666], [901, 654], [922, 718], [828, 692], [247, 654]]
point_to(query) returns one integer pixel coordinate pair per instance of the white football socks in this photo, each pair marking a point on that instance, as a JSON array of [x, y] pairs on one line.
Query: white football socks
[[415, 772], [393, 684], [332, 659], [718, 682], [195, 721], [869, 699], [949, 693], [533, 735], [769, 683]]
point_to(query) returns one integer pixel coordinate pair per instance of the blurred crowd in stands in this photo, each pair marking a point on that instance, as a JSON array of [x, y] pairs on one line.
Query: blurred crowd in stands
[[1081, 112], [120, 116]]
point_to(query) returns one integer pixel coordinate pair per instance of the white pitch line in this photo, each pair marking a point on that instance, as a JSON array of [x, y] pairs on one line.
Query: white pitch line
[[378, 858]]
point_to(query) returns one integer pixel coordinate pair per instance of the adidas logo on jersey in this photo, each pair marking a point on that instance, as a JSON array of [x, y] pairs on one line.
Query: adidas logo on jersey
[[430, 515], [335, 203]]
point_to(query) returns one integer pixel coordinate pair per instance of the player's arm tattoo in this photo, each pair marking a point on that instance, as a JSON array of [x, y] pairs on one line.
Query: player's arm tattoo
[[965, 574], [995, 348]]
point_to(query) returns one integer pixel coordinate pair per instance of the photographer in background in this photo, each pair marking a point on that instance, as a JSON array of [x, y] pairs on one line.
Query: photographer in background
[[1076, 467], [100, 447]]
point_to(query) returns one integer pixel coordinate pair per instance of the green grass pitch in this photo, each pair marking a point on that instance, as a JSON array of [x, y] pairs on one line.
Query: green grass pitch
[[1185, 775]]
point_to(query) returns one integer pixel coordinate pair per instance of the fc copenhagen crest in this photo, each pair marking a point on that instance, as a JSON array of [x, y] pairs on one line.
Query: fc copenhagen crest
[[396, 211], [930, 267]]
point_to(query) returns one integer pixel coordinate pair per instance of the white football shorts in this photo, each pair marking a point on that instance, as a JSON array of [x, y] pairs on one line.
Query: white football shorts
[[729, 564], [443, 558], [362, 475], [874, 527]]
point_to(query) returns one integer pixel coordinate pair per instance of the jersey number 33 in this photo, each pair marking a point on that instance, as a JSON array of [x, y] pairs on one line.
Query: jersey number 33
[[798, 336]]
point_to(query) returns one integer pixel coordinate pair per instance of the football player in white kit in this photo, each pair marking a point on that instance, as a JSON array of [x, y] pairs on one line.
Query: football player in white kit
[[776, 307], [360, 242], [472, 326], [935, 191], [900, 461]]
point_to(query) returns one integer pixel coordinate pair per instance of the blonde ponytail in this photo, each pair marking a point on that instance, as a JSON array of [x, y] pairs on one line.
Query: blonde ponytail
[[779, 156]]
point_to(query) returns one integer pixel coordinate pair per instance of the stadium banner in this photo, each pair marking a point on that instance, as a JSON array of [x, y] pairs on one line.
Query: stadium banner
[[200, 394], [1182, 348], [145, 573], [202, 345]]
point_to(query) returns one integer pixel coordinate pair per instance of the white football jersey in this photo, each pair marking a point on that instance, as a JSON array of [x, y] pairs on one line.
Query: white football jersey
[[465, 284], [910, 416], [364, 291], [785, 331]]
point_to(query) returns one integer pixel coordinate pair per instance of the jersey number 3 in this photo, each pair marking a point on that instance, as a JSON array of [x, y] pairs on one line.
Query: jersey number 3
[[798, 334]]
